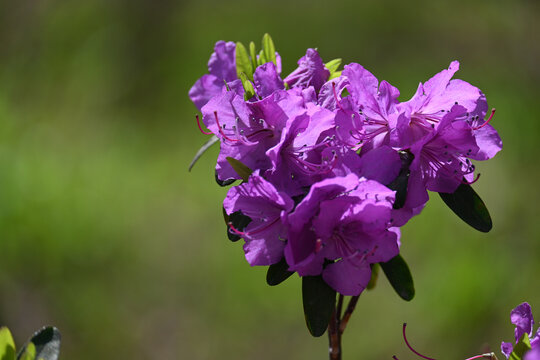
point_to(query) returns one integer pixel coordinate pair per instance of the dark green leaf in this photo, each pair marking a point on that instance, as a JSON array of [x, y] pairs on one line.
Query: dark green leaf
[[207, 145], [47, 343], [269, 49], [398, 273], [333, 65], [243, 63], [278, 273], [400, 183], [253, 55], [319, 302], [249, 91], [466, 204], [239, 221], [242, 170], [520, 348], [223, 182]]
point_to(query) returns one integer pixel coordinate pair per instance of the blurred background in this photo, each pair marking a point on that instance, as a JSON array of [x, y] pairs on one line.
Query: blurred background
[[105, 234]]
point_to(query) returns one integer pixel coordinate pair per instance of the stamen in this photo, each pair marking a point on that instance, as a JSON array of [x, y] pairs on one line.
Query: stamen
[[410, 347], [200, 127], [335, 96], [221, 130], [318, 245], [488, 120], [464, 181], [483, 356], [254, 231]]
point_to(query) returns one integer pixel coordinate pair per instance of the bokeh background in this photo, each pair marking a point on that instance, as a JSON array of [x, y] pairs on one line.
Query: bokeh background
[[105, 234]]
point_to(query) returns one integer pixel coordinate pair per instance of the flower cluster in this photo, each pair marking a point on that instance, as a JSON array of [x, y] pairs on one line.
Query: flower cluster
[[522, 318], [338, 163]]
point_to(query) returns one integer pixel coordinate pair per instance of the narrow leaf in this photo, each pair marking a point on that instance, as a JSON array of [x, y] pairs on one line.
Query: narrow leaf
[[319, 301], [239, 221], [29, 352], [269, 49], [249, 91], [47, 344], [466, 204], [278, 273], [333, 65], [334, 75], [253, 55], [262, 58], [520, 348], [7, 345], [398, 273], [207, 145], [243, 63], [242, 170]]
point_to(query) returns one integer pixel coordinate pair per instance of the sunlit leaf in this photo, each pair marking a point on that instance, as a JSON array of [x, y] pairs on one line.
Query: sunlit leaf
[[398, 273], [333, 65], [29, 352], [319, 301], [278, 273], [243, 63], [269, 49], [7, 345], [466, 204], [249, 91], [253, 55]]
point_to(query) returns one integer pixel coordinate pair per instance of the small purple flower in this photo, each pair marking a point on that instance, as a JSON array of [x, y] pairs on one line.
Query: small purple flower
[[267, 80], [266, 207], [310, 72], [344, 220], [222, 69], [521, 316]]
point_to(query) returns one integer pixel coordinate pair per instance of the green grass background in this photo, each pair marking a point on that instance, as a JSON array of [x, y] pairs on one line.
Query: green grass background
[[105, 234]]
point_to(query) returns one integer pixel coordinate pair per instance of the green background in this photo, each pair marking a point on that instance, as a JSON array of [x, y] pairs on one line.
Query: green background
[[105, 234]]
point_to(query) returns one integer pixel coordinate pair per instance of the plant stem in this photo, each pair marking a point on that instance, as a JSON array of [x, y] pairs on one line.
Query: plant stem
[[348, 313], [334, 337]]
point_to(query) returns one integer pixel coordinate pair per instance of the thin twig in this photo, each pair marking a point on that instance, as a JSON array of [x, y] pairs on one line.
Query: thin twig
[[348, 313], [334, 338]]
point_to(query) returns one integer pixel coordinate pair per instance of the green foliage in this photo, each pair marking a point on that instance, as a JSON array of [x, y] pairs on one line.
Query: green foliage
[[521, 348], [466, 204], [333, 66], [398, 273], [319, 301], [242, 170], [278, 273], [243, 62], [268, 49], [248, 87], [43, 345]]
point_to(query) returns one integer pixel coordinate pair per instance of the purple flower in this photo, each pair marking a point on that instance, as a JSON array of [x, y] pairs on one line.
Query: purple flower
[[373, 108], [267, 80], [310, 72], [248, 130], [222, 68], [521, 316], [266, 207], [344, 220]]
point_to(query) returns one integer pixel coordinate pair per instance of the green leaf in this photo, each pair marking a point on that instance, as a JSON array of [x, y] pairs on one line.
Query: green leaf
[[466, 204], [239, 221], [269, 49], [334, 75], [333, 65], [242, 170], [319, 302], [374, 276], [7, 345], [207, 145], [223, 182], [262, 58], [243, 63], [398, 273], [253, 55], [278, 273], [29, 352], [46, 342], [520, 348], [249, 91]]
